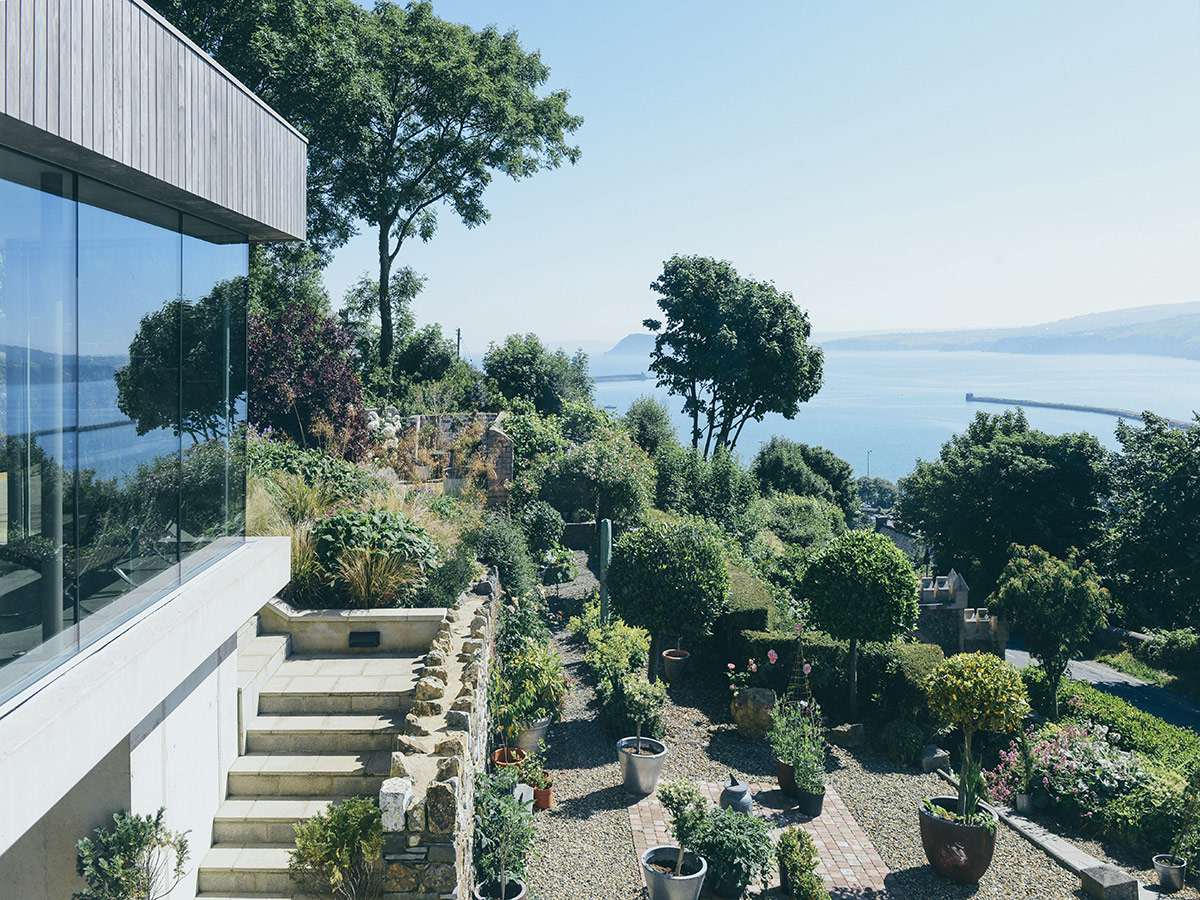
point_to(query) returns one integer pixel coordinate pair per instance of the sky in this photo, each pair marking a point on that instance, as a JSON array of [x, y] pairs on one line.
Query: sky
[[894, 165]]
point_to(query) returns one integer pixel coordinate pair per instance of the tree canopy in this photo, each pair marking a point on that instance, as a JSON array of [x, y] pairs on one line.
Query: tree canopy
[[1152, 549], [1001, 483], [790, 467], [735, 349], [648, 422], [1056, 605], [523, 369]]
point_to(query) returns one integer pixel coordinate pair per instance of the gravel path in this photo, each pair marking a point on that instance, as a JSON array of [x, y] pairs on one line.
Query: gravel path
[[884, 797], [584, 846]]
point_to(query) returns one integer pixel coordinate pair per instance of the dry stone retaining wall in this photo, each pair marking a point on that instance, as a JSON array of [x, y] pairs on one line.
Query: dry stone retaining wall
[[429, 802]]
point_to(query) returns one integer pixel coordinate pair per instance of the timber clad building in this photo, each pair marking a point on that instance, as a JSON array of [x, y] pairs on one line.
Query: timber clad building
[[134, 172]]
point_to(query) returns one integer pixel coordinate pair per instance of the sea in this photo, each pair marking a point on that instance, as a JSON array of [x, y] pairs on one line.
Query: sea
[[882, 411]]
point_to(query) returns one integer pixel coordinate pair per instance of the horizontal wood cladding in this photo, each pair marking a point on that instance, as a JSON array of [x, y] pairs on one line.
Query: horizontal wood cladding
[[110, 89]]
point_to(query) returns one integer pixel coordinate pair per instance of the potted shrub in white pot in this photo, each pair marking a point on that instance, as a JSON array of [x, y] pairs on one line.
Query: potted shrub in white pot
[[641, 758], [1172, 867]]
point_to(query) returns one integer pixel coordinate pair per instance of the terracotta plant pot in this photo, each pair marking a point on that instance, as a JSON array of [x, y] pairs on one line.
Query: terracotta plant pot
[[961, 853], [542, 799], [786, 775], [508, 756], [675, 664]]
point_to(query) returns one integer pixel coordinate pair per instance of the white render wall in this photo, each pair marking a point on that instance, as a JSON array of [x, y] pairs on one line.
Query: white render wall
[[165, 687]]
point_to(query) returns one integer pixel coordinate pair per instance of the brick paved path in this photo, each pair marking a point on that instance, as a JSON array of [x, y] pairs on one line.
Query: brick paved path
[[850, 866]]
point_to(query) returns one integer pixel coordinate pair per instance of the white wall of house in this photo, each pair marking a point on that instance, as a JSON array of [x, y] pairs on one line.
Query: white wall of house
[[147, 717]]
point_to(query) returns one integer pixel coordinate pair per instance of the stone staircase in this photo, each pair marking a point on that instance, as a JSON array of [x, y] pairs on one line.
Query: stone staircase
[[324, 730]]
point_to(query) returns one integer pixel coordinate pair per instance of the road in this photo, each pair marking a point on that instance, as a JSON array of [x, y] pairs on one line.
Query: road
[[1145, 696]]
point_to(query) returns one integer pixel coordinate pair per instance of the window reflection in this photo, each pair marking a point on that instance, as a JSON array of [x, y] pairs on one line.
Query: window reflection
[[122, 407]]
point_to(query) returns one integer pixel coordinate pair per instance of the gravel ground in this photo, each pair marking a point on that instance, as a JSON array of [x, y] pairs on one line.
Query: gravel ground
[[584, 846], [884, 798], [1140, 867]]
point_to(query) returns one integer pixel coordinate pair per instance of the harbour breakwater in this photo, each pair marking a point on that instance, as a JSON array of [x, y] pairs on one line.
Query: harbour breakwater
[[1075, 407]]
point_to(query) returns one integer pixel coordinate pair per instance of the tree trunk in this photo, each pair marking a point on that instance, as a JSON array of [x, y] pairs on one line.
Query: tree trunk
[[853, 673], [638, 737], [652, 663], [962, 777], [386, 336], [695, 418], [1054, 683]]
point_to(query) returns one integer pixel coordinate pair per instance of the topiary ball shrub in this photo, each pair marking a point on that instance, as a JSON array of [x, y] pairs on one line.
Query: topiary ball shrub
[[542, 525], [903, 741], [669, 578]]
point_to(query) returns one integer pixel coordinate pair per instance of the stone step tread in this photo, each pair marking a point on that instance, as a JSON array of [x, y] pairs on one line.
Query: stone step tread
[[403, 665], [339, 723], [272, 809], [376, 762], [242, 895], [340, 685], [248, 857]]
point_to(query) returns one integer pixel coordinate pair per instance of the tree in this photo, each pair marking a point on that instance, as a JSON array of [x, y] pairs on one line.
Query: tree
[[669, 578], [860, 588], [200, 334], [1152, 548], [735, 349], [303, 383], [442, 108], [789, 467], [608, 477], [305, 59], [719, 488], [648, 422], [283, 275], [522, 368], [1001, 483], [1057, 606], [877, 493]]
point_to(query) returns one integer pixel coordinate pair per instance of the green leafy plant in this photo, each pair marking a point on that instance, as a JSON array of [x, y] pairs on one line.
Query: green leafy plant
[[504, 831], [532, 770], [687, 810], [644, 700], [139, 859], [560, 567], [523, 620], [499, 542], [669, 578], [976, 692], [372, 557], [338, 851], [798, 738], [537, 681], [797, 857], [902, 741], [737, 848], [542, 525], [1190, 809]]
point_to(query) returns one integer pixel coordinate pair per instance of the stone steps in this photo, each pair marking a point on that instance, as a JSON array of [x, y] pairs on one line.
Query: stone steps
[[254, 868], [323, 733], [308, 774], [266, 820]]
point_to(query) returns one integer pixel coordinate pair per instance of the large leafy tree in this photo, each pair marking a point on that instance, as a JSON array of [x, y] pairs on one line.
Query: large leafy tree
[[523, 369], [790, 467], [1057, 605], [443, 108], [1001, 483], [213, 383], [735, 349], [861, 588], [1152, 548]]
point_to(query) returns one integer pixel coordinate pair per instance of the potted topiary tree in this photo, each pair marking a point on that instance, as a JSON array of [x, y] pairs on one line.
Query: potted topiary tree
[[861, 588], [669, 578], [503, 838], [641, 759], [677, 873], [976, 692]]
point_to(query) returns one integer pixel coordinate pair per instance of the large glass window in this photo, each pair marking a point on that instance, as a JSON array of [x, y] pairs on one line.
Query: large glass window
[[122, 407]]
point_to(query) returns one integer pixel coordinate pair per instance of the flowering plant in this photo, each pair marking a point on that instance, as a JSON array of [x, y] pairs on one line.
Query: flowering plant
[[753, 675], [797, 736]]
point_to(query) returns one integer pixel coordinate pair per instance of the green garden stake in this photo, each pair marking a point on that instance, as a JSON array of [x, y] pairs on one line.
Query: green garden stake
[[605, 558]]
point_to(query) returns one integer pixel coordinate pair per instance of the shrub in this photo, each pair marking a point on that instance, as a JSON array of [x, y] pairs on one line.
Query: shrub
[[302, 381], [537, 682], [737, 847], [643, 702], [447, 581], [1150, 817], [687, 809], [903, 741], [1175, 651], [616, 649], [340, 479], [805, 522], [140, 859], [798, 738], [542, 525], [789, 467], [338, 851], [718, 488], [589, 617], [797, 857], [648, 422], [609, 477], [504, 830], [498, 542], [560, 567], [523, 620], [372, 557], [669, 578], [1138, 731]]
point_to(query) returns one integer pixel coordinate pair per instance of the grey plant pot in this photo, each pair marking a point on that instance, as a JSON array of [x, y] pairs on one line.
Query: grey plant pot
[[640, 773], [1170, 876], [1023, 803], [529, 739], [670, 887]]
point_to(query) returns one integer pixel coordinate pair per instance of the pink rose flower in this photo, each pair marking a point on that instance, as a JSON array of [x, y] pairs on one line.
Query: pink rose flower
[[753, 666], [730, 666], [772, 657], [807, 668]]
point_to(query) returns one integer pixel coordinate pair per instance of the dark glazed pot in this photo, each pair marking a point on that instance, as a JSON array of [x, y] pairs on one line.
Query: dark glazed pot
[[491, 890], [786, 775], [961, 853], [810, 804]]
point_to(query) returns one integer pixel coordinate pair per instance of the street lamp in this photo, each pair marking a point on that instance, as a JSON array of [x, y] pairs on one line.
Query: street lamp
[[869, 463]]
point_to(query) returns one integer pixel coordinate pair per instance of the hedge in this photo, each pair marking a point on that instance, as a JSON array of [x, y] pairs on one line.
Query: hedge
[[749, 608]]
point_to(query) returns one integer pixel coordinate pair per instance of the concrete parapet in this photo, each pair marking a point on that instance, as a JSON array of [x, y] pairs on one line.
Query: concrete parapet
[[329, 630]]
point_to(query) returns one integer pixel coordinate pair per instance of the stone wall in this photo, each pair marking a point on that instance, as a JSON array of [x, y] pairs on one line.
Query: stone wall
[[429, 802]]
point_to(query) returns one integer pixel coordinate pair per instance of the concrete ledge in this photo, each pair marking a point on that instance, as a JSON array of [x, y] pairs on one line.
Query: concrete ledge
[[328, 630]]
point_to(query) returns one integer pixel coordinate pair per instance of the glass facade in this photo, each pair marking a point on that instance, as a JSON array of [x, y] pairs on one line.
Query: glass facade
[[122, 407]]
